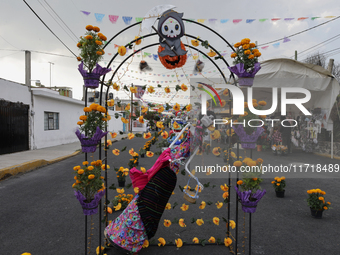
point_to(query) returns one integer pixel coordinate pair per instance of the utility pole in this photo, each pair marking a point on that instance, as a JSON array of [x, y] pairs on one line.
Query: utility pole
[[51, 73], [131, 108], [28, 69], [296, 55]]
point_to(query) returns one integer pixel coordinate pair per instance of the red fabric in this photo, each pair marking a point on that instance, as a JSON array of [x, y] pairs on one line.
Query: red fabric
[[140, 180]]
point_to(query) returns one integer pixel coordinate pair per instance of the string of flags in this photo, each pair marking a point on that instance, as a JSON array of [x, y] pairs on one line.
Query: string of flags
[[129, 19]]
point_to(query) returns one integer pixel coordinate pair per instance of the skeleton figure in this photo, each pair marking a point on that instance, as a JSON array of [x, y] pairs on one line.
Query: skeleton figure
[[171, 27]]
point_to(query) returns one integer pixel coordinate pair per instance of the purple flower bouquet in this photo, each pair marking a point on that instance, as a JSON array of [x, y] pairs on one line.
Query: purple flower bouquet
[[91, 207], [248, 200], [91, 80], [89, 145]]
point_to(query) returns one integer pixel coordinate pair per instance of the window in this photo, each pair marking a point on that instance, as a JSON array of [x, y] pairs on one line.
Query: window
[[51, 120]]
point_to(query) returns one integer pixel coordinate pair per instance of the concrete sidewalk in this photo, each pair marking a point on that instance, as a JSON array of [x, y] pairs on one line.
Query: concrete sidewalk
[[21, 162]]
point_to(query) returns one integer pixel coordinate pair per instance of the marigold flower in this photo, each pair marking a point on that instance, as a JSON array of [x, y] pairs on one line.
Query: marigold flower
[[121, 50], [328, 203], [143, 170], [176, 125], [98, 42], [81, 171], [144, 109], [113, 135], [115, 86], [160, 109], [90, 168], [184, 207], [159, 124], [211, 53], [216, 151], [245, 46], [325, 207], [233, 55], [96, 29], [224, 187], [80, 123], [147, 135], [167, 89], [124, 120], [202, 205], [145, 244], [116, 152], [228, 241], [165, 135], [237, 163], [168, 206], [127, 107], [225, 195], [199, 222], [149, 154], [247, 52], [195, 240], [188, 108], [195, 43], [89, 27], [232, 224], [219, 205], [179, 242], [321, 198], [257, 54], [136, 190], [167, 223], [137, 42], [91, 176], [184, 87], [76, 168], [212, 240], [151, 89], [93, 106], [236, 45], [131, 136], [161, 241], [118, 207], [240, 182], [177, 107], [181, 223], [216, 221]]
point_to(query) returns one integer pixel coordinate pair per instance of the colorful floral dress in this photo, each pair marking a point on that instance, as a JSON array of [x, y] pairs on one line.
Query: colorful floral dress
[[128, 230]]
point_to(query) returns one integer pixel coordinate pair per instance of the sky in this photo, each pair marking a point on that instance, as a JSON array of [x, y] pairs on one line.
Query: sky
[[264, 22]]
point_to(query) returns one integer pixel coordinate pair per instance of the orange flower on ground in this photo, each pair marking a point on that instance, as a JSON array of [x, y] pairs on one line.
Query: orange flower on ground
[[159, 124], [168, 206], [116, 152], [167, 223], [179, 242], [225, 195], [121, 50], [161, 241], [131, 151], [232, 224], [113, 135], [109, 210], [184, 207], [199, 222], [176, 107], [240, 182], [224, 187], [216, 151], [227, 241], [149, 154], [216, 221], [147, 135], [219, 205], [184, 87], [118, 207], [145, 244], [181, 223], [131, 136], [165, 135], [195, 240], [215, 135], [212, 240], [202, 205]]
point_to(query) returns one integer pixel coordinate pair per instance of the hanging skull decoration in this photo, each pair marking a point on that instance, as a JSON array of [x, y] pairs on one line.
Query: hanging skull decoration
[[171, 29]]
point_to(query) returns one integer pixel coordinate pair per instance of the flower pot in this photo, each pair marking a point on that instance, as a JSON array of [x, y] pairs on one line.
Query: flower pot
[[142, 155], [121, 184], [89, 208], [280, 193], [259, 147], [91, 80], [316, 213], [246, 81]]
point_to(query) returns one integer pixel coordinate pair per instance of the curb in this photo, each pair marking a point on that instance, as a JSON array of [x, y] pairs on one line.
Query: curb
[[326, 155], [30, 165]]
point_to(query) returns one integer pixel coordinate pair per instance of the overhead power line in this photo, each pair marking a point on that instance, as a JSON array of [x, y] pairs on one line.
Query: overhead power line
[[49, 28], [300, 32]]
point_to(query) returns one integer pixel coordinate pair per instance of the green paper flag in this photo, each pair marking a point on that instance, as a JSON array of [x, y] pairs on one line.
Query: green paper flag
[[262, 20]]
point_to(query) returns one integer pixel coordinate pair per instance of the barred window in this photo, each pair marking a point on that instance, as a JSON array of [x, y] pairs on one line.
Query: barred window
[[51, 120]]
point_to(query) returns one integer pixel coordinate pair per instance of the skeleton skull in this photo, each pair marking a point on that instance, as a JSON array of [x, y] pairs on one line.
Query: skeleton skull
[[171, 28]]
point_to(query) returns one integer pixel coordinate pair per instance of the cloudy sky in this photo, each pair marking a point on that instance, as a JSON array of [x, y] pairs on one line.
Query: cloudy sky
[[265, 22]]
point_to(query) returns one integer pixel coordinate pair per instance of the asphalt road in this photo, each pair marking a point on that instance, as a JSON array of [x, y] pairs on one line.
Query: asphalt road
[[39, 213]]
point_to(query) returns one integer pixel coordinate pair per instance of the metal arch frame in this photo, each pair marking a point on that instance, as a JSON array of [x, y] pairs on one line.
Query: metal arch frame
[[108, 87]]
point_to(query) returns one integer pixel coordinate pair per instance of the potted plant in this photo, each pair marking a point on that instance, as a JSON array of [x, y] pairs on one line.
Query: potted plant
[[249, 191], [246, 62], [121, 175], [89, 186], [134, 160], [121, 201], [92, 125], [317, 203], [279, 184], [91, 52]]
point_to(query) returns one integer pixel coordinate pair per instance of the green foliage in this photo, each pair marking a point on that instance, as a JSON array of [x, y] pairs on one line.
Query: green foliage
[[279, 183], [205, 44], [94, 120]]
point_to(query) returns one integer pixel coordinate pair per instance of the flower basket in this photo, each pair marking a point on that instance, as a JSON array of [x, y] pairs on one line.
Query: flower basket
[[280, 194], [91, 207], [91, 80], [316, 213], [249, 141], [245, 81], [248, 200], [89, 145]]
